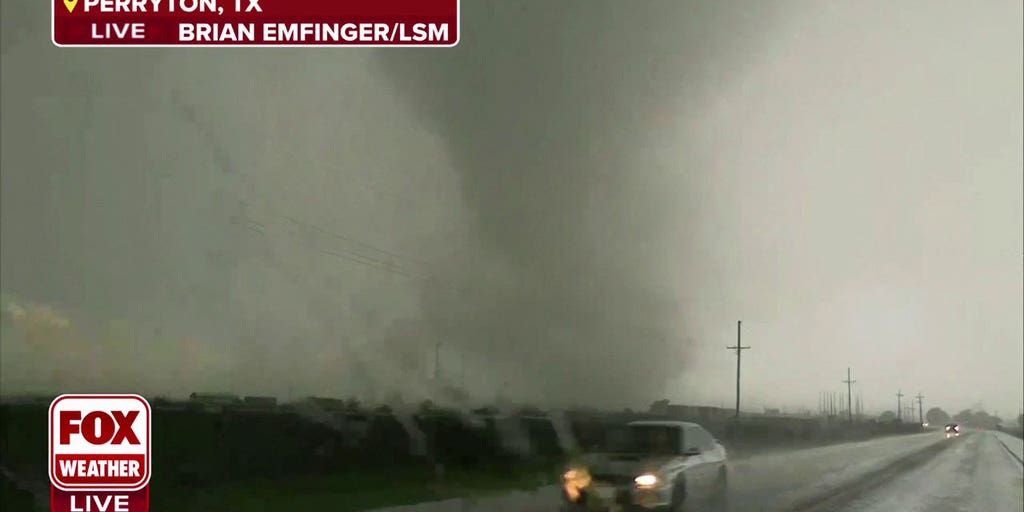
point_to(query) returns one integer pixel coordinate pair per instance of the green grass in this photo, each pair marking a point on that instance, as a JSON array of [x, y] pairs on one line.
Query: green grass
[[14, 499], [347, 492]]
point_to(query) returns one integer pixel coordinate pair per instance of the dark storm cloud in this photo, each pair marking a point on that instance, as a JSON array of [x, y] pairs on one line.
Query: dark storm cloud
[[576, 204], [547, 109]]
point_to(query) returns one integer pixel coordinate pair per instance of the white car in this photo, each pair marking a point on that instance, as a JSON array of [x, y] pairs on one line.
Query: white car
[[650, 465], [952, 430]]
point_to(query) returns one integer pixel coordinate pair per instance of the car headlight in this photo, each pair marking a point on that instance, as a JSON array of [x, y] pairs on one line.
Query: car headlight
[[573, 480], [646, 480], [576, 474]]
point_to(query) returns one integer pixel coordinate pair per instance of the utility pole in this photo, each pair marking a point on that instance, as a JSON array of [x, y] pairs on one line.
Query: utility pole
[[849, 395], [738, 348], [899, 405], [921, 408]]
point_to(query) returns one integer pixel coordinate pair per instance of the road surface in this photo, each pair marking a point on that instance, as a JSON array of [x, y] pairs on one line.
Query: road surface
[[977, 473], [922, 472]]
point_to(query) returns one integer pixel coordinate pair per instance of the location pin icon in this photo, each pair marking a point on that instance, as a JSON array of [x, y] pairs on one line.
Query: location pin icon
[[70, 4]]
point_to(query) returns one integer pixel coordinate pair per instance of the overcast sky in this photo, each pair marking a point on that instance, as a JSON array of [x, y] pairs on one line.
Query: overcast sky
[[578, 203], [868, 184]]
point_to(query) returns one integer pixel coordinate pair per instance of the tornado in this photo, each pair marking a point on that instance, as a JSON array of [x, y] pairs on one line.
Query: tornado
[[570, 289]]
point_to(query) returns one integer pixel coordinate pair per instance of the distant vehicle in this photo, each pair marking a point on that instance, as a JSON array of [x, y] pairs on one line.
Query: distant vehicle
[[648, 465], [952, 430]]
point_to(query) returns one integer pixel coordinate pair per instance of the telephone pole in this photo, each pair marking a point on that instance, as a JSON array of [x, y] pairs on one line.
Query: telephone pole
[[738, 348], [849, 395], [920, 408], [899, 405]]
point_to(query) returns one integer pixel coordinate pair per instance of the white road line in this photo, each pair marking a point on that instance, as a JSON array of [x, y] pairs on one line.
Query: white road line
[[1010, 452]]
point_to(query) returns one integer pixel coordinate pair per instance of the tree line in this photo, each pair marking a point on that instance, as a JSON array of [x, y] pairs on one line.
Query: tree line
[[975, 418]]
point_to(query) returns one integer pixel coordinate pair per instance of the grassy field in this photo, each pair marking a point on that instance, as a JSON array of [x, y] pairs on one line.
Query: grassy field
[[268, 463], [343, 492], [14, 499]]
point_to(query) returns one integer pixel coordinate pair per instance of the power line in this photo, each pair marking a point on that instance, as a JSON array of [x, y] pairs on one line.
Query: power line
[[349, 255], [352, 256], [372, 263], [310, 227], [360, 180], [349, 239], [222, 158]]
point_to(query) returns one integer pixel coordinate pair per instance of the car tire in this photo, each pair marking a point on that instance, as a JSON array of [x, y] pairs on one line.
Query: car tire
[[722, 480], [720, 492], [678, 503]]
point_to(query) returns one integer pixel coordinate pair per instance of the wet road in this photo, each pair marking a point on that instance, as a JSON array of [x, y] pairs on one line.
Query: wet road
[[978, 473], [922, 472]]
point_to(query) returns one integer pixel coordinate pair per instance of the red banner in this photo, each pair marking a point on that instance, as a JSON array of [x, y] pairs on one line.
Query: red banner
[[105, 501], [399, 23]]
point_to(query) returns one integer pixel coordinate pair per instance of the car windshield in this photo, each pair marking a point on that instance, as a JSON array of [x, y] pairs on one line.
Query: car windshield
[[644, 439]]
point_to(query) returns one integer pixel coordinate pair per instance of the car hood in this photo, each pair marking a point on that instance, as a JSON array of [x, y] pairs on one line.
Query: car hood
[[623, 464]]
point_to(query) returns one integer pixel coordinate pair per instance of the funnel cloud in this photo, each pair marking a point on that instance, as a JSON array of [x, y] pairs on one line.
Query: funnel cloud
[[550, 114]]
